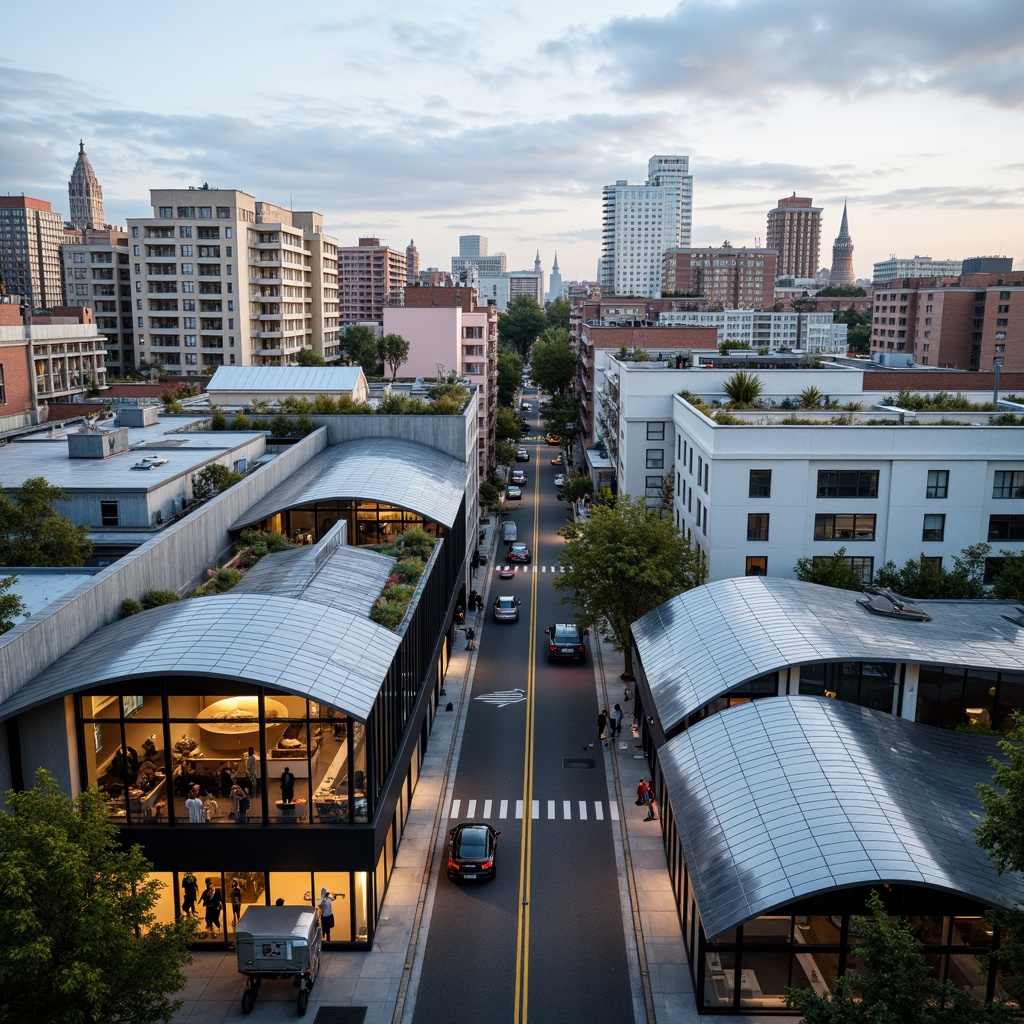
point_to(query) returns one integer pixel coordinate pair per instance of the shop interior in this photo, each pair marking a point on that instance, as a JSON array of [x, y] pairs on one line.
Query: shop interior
[[369, 522]]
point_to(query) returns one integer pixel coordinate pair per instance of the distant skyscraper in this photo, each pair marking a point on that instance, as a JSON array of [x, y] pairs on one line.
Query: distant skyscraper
[[412, 263], [473, 254], [842, 256], [471, 246], [30, 239], [555, 286], [85, 195], [641, 222], [794, 232]]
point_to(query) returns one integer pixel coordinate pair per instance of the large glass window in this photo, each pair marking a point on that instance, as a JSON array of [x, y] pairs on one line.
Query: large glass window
[[757, 526], [844, 526], [1008, 483], [1006, 527], [934, 527], [760, 483], [847, 483]]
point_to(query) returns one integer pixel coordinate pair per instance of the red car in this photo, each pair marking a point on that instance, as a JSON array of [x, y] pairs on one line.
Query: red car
[[518, 552], [557, 460]]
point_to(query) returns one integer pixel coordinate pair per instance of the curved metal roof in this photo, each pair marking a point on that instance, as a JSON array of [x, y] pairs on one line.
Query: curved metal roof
[[403, 473], [327, 654], [700, 644], [781, 799]]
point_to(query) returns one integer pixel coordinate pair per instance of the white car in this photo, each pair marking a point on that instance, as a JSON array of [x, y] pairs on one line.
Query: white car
[[559, 479]]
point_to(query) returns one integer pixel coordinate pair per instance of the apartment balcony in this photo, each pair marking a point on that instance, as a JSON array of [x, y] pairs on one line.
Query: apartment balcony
[[159, 232], [266, 261], [209, 270], [265, 353], [156, 289]]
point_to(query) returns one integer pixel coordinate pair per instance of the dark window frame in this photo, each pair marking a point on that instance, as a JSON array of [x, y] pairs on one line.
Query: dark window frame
[[760, 483], [847, 483]]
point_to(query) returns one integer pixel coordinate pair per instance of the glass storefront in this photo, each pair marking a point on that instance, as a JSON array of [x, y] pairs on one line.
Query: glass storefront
[[369, 522], [949, 697]]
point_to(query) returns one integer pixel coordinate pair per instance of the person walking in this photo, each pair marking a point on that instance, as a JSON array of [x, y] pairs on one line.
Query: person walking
[[236, 902], [189, 892], [602, 721], [250, 770], [616, 722], [326, 913], [194, 806], [648, 795], [470, 639], [212, 901], [287, 786]]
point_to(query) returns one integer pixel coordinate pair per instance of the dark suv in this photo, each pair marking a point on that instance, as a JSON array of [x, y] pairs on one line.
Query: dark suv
[[565, 642]]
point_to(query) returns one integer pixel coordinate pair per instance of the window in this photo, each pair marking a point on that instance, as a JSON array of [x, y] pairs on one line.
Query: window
[[3, 393], [757, 565], [1006, 527], [864, 565], [223, 212], [135, 232], [165, 211], [938, 483], [185, 231], [186, 250], [205, 212], [760, 483], [757, 526], [653, 485], [934, 526], [844, 526], [1008, 483], [847, 483], [79, 257], [655, 431], [108, 513], [186, 211], [186, 268], [655, 458]]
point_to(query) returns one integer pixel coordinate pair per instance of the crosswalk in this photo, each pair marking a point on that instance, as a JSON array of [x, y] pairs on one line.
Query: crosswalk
[[541, 810], [530, 568]]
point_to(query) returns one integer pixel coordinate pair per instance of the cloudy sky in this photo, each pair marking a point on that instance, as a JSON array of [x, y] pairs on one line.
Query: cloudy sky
[[429, 121]]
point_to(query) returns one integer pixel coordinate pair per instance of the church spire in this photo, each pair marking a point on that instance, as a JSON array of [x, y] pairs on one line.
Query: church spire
[[842, 255]]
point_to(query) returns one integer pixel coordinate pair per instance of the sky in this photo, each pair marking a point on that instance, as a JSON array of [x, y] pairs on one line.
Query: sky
[[429, 122]]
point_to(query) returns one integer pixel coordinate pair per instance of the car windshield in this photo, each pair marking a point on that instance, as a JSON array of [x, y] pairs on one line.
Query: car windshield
[[518, 548], [506, 602], [566, 635]]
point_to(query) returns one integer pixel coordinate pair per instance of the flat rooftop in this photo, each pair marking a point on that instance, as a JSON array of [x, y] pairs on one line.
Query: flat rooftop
[[39, 587]]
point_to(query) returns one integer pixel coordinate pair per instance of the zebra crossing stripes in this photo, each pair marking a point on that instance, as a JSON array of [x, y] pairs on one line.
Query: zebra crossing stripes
[[540, 810], [530, 568]]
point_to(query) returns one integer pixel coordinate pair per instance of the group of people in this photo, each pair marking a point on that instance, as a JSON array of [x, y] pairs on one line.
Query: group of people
[[609, 725]]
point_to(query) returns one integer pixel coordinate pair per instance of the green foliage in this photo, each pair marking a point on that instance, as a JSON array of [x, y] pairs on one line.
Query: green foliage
[[449, 397], [507, 425], [490, 497], [941, 401], [743, 388], [10, 604], [393, 350], [359, 346], [241, 422], [723, 418], [504, 453], [553, 362], [833, 571], [810, 398], [557, 313], [211, 480], [219, 581], [577, 486], [156, 598], [218, 421], [843, 291], [92, 389], [79, 940], [33, 533], [1009, 582], [303, 426], [308, 357], [733, 346], [621, 563], [510, 373], [412, 551], [697, 403], [1006, 419], [281, 426], [923, 580], [560, 411], [521, 324], [129, 606], [417, 543], [264, 542], [410, 569]]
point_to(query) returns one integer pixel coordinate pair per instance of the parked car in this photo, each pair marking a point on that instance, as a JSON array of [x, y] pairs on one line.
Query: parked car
[[559, 479], [472, 851], [553, 439], [513, 494], [518, 552], [522, 455], [565, 642], [517, 476], [506, 608]]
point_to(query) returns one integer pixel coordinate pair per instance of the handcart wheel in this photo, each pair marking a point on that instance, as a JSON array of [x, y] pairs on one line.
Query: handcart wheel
[[247, 999], [303, 1001]]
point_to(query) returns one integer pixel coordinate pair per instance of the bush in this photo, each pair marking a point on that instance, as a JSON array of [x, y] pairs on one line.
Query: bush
[[417, 541], [241, 422], [409, 570], [221, 580], [155, 598], [218, 421], [281, 426], [304, 426], [129, 606], [388, 614]]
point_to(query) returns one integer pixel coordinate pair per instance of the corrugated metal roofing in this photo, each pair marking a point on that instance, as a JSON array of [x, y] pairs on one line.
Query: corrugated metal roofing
[[319, 380]]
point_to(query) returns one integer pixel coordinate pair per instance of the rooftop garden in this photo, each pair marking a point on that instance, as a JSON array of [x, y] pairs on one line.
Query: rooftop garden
[[411, 553]]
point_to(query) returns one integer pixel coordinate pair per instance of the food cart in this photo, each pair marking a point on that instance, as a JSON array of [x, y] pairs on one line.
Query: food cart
[[278, 942]]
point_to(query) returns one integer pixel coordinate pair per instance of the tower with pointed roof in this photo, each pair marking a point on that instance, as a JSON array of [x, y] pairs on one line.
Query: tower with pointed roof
[[412, 263], [842, 256], [85, 195], [555, 286]]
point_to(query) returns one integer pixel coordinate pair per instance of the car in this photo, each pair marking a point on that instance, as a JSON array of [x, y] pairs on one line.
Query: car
[[472, 851], [518, 552], [565, 642], [522, 455], [526, 407], [517, 476], [506, 608], [557, 460], [553, 439], [559, 479], [513, 494]]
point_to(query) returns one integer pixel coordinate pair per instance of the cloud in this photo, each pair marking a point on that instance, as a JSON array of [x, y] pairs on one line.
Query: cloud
[[946, 196], [764, 48]]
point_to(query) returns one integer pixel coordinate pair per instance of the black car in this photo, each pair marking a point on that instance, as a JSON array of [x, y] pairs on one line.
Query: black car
[[565, 642], [472, 851]]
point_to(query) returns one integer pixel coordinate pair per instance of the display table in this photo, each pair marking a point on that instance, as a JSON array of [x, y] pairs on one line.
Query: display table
[[291, 810]]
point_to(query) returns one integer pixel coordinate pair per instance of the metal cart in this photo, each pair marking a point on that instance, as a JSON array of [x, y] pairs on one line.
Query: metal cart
[[278, 942]]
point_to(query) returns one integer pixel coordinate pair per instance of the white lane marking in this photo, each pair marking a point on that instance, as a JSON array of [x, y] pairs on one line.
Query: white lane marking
[[487, 808], [471, 809], [456, 804], [519, 809], [551, 809], [502, 698], [503, 809], [583, 810]]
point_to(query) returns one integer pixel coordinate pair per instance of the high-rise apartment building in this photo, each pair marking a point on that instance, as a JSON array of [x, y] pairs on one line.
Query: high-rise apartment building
[[794, 232], [738, 278], [369, 276], [219, 279], [842, 256], [85, 196], [30, 238], [412, 263], [641, 222], [472, 245], [894, 268]]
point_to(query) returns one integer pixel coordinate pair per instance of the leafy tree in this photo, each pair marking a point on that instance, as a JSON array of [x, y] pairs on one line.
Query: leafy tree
[[34, 533], [743, 388], [553, 362], [213, 479], [667, 493], [393, 350], [922, 579], [510, 373], [829, 572], [241, 422], [622, 562], [1009, 583], [844, 290], [507, 425], [309, 357], [577, 486], [893, 985], [490, 496], [504, 453], [218, 421], [79, 941], [560, 411], [359, 346], [10, 604], [558, 312], [521, 324]]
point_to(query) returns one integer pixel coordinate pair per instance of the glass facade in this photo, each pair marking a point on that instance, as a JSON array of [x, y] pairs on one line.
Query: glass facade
[[949, 697], [369, 522]]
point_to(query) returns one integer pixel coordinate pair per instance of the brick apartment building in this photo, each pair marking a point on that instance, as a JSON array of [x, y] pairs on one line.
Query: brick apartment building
[[369, 276], [736, 277]]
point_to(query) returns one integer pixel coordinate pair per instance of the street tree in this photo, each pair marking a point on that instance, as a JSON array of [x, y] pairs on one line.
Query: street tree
[[510, 373], [833, 571], [490, 496], [559, 412], [359, 346], [79, 940], [507, 425], [558, 312], [309, 357], [504, 453], [553, 362], [10, 604], [577, 486], [521, 324], [621, 563], [393, 350], [34, 533]]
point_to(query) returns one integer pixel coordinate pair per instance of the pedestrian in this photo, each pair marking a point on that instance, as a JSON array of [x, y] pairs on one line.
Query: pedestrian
[[326, 913], [602, 721], [212, 901], [287, 785], [189, 892], [250, 769], [244, 803], [470, 639], [650, 802], [236, 799], [616, 722], [479, 602], [236, 902], [224, 779], [194, 805]]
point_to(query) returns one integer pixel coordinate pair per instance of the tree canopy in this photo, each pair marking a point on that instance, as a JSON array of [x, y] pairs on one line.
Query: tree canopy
[[559, 412], [10, 604], [393, 350], [557, 313], [507, 425], [553, 362], [521, 324], [833, 571], [308, 357], [922, 578], [621, 563], [212, 479], [510, 373], [359, 346], [34, 533], [79, 941]]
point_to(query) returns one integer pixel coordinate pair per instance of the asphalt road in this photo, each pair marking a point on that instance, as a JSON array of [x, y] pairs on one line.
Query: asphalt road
[[544, 941]]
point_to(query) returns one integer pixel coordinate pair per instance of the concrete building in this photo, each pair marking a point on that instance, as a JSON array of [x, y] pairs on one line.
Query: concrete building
[[85, 195], [640, 223], [219, 279], [794, 232], [412, 263], [842, 272], [555, 286], [737, 277], [774, 332], [369, 276], [896, 268], [30, 239]]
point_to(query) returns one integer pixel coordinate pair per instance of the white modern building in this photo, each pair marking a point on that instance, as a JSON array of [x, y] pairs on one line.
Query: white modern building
[[219, 279], [640, 222], [806, 332], [894, 268]]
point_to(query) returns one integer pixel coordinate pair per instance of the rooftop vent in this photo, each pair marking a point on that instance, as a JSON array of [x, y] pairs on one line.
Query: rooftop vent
[[885, 602]]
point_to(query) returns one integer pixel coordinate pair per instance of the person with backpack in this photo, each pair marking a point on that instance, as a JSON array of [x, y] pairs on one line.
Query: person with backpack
[[470, 639], [649, 801]]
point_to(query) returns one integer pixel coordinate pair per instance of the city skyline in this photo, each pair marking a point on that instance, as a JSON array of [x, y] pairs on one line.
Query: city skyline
[[916, 119]]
